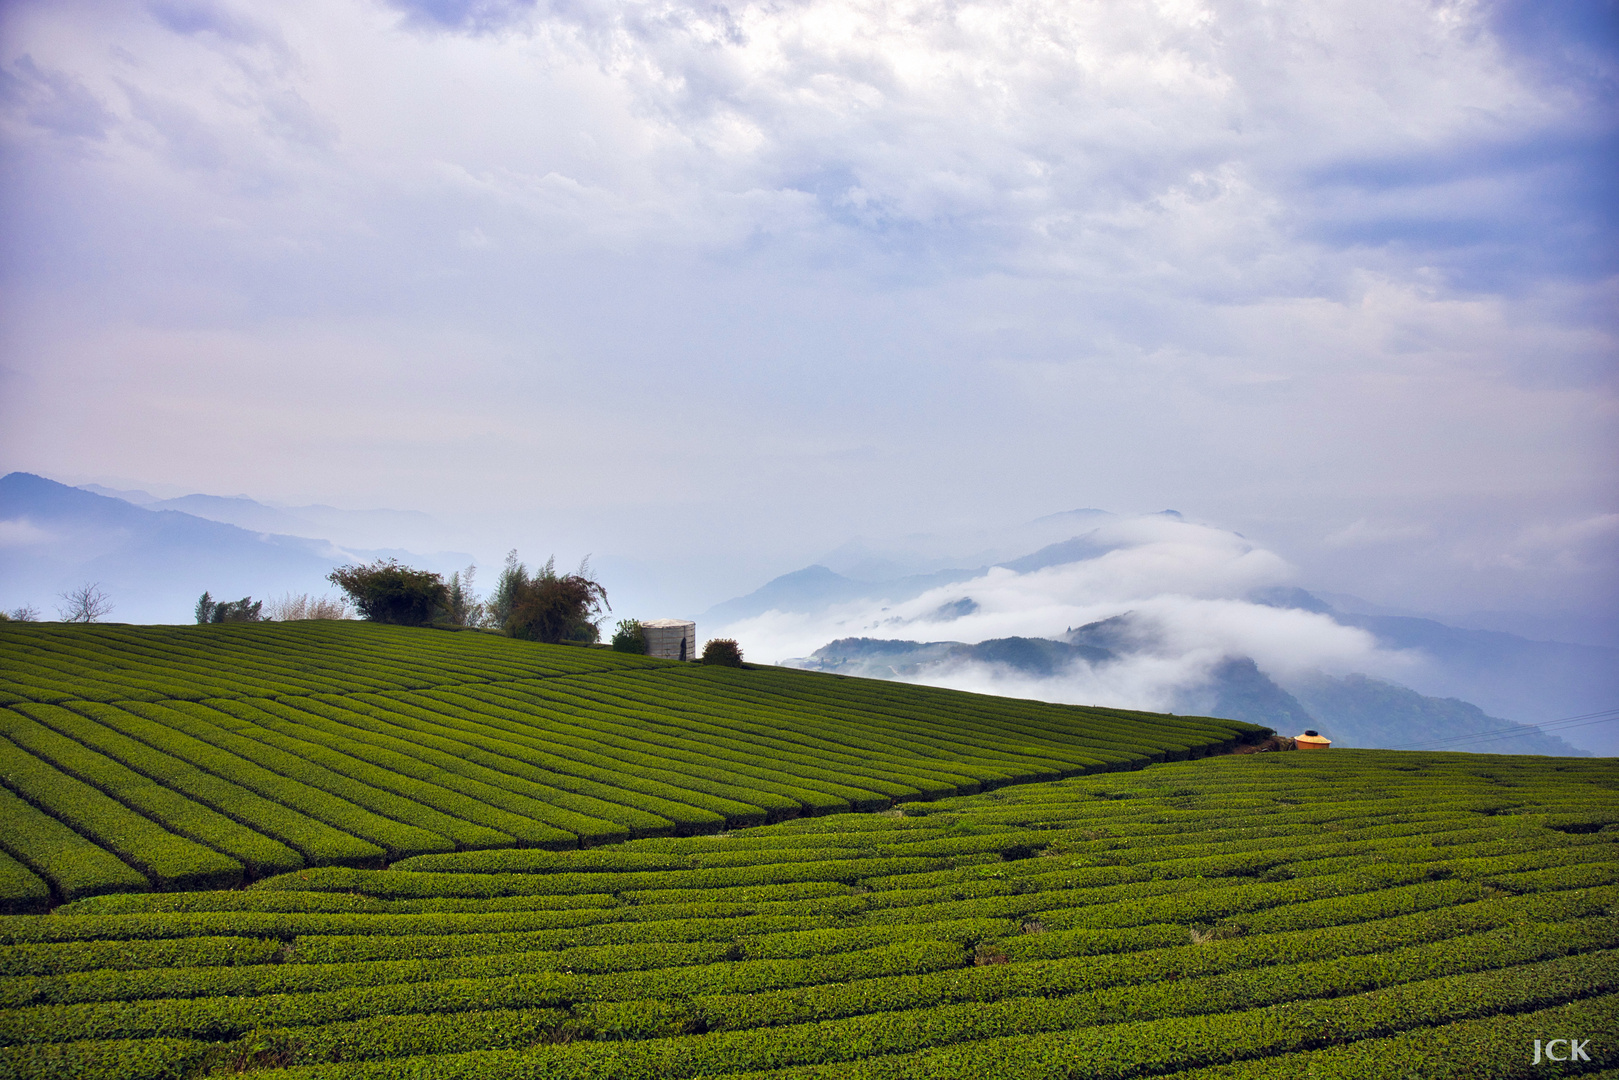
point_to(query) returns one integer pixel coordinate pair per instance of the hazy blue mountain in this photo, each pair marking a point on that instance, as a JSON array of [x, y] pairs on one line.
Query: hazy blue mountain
[[925, 553], [1360, 711], [1577, 627], [866, 573], [1290, 596], [349, 528], [880, 658], [815, 588], [1583, 627], [235, 510], [1357, 711], [1120, 634], [1033, 656], [877, 658], [1076, 549], [1503, 674], [951, 610], [1354, 712], [139, 498], [154, 563], [1239, 690]]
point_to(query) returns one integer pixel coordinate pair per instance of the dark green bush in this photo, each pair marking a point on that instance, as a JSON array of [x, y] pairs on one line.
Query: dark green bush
[[546, 606], [722, 652], [209, 610], [386, 592], [21, 892], [629, 637]]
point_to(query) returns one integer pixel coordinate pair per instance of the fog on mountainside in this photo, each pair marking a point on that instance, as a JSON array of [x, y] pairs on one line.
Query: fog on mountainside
[[1154, 612]]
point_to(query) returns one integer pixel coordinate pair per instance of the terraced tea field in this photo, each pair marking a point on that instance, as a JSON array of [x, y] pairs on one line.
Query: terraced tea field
[[1342, 914], [200, 757], [1360, 914]]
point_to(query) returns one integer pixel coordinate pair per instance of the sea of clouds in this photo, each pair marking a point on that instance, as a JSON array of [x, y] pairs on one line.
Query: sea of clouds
[[1191, 598]]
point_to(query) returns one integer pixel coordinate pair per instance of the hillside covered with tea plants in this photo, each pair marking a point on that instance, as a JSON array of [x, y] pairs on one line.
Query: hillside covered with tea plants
[[158, 757], [771, 875], [1364, 914]]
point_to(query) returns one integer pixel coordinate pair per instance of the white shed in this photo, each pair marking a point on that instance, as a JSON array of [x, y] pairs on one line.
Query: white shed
[[672, 639]]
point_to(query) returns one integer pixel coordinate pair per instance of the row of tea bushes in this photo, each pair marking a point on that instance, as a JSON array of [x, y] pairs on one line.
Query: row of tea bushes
[[1237, 916], [175, 758]]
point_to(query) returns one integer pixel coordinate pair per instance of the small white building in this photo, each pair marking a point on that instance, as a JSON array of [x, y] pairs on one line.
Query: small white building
[[672, 639]]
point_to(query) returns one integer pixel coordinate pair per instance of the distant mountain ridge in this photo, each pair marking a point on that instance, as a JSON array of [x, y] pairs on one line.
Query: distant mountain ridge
[[1355, 711], [1459, 682], [884, 658], [815, 588], [153, 562], [347, 528]]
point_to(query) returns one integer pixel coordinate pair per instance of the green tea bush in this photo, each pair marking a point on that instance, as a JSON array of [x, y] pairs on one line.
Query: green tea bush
[[170, 861], [72, 865], [21, 892], [628, 637], [722, 652], [184, 816], [386, 592], [1260, 915]]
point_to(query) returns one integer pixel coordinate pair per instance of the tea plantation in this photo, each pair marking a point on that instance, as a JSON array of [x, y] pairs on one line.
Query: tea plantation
[[200, 757], [425, 823]]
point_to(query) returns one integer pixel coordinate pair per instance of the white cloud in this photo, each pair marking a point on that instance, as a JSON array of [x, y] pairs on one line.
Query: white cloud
[[1186, 590], [864, 266], [20, 532], [1564, 545]]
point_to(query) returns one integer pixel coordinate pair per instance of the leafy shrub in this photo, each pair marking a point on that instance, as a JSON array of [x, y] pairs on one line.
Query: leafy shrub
[[174, 810], [629, 637], [66, 958], [387, 592], [548, 606], [108, 1059], [462, 607], [209, 610], [120, 733], [1149, 941], [169, 860], [722, 652], [1202, 934]]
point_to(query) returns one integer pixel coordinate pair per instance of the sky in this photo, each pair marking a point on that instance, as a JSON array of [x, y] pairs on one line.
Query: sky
[[711, 291]]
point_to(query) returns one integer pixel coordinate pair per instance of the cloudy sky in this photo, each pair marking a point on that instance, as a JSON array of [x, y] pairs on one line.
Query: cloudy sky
[[711, 290]]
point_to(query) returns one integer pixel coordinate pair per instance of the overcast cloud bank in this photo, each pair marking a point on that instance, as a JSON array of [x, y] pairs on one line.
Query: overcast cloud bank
[[706, 290]]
